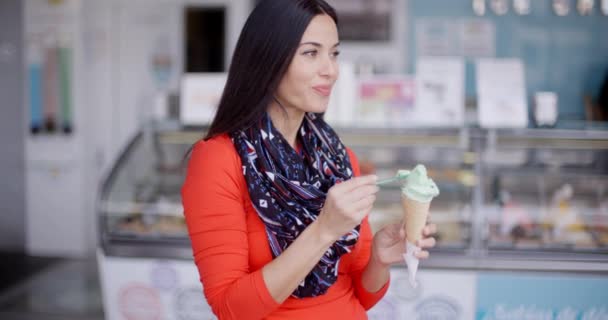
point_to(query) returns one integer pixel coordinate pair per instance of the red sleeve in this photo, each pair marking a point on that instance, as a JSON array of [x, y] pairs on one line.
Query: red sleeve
[[366, 298], [213, 201]]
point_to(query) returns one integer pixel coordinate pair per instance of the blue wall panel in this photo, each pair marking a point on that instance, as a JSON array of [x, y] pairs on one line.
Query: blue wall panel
[[568, 55]]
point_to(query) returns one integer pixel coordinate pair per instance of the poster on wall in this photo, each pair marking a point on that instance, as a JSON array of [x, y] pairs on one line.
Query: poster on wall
[[49, 39], [385, 101], [469, 38], [364, 20], [436, 37], [200, 96], [508, 296], [477, 38], [138, 288], [501, 93], [440, 295], [439, 91]]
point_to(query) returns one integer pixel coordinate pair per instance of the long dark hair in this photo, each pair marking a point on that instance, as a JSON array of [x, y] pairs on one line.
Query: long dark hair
[[266, 46]]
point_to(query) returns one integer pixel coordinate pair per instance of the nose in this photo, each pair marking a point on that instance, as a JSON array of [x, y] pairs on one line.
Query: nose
[[329, 67]]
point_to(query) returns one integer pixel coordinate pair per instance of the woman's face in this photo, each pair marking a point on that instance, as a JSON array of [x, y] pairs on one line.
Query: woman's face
[[307, 84]]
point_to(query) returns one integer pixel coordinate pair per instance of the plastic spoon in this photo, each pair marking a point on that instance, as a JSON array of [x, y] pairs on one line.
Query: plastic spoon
[[401, 174]]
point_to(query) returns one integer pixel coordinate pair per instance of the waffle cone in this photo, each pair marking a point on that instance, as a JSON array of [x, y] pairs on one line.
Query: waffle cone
[[415, 214]]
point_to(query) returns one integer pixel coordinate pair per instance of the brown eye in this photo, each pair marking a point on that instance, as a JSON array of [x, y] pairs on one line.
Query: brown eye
[[310, 53]]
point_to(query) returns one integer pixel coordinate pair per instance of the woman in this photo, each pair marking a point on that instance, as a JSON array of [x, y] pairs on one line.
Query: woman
[[275, 212]]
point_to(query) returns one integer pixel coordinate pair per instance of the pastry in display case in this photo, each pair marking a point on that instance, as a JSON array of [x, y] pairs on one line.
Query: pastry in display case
[[551, 201]]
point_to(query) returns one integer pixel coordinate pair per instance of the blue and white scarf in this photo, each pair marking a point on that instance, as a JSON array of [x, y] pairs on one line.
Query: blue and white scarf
[[288, 189]]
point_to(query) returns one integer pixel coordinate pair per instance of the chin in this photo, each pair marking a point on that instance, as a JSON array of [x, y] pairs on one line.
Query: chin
[[318, 107]]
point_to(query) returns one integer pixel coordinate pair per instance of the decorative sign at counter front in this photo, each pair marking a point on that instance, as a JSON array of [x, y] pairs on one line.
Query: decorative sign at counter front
[[200, 96], [164, 277], [190, 304], [501, 93], [385, 309], [506, 296], [142, 288], [440, 295], [139, 302]]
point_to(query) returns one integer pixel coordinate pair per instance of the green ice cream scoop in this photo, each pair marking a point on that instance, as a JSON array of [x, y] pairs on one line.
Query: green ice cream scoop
[[418, 186]]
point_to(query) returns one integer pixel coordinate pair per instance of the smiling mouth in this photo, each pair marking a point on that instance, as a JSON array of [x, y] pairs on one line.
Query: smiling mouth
[[323, 90]]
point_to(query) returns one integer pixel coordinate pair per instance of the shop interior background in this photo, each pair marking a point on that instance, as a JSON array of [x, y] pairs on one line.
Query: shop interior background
[[80, 80]]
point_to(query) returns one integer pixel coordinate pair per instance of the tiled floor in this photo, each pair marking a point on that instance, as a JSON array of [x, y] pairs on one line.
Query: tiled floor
[[54, 289], [16, 267]]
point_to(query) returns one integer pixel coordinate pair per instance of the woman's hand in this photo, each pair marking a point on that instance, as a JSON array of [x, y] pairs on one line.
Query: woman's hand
[[389, 243], [346, 205]]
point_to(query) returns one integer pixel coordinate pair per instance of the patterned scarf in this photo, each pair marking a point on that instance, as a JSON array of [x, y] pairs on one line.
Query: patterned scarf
[[288, 190]]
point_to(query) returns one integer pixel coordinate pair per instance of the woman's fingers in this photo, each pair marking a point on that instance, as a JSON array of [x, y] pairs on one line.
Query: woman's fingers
[[361, 199], [356, 182], [422, 254], [426, 242], [363, 207], [361, 192], [428, 230]]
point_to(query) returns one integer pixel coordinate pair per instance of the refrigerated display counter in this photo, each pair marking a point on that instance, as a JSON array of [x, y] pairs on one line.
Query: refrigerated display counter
[[513, 201]]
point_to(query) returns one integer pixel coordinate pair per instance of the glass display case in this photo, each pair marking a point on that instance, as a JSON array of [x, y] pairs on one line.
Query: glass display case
[[447, 155], [510, 199], [545, 193], [140, 203]]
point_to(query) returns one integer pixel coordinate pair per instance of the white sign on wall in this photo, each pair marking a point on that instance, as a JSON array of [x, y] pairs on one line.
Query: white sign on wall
[[200, 96], [440, 91], [470, 38], [501, 93], [386, 100]]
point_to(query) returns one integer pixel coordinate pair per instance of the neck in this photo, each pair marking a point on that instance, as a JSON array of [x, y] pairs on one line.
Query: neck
[[286, 120]]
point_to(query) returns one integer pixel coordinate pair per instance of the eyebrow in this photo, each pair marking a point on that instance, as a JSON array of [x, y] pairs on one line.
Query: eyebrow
[[318, 45]]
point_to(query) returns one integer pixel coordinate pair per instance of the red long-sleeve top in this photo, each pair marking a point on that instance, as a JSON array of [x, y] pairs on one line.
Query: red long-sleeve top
[[230, 246]]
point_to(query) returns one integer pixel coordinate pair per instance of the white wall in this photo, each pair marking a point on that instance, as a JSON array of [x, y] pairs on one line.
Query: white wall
[[142, 29], [113, 92], [56, 164], [12, 181]]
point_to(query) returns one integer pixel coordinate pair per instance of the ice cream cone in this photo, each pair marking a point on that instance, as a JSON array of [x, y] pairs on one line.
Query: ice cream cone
[[417, 194], [415, 216]]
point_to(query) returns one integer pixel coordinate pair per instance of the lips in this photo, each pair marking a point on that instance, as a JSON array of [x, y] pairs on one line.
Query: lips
[[324, 90]]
